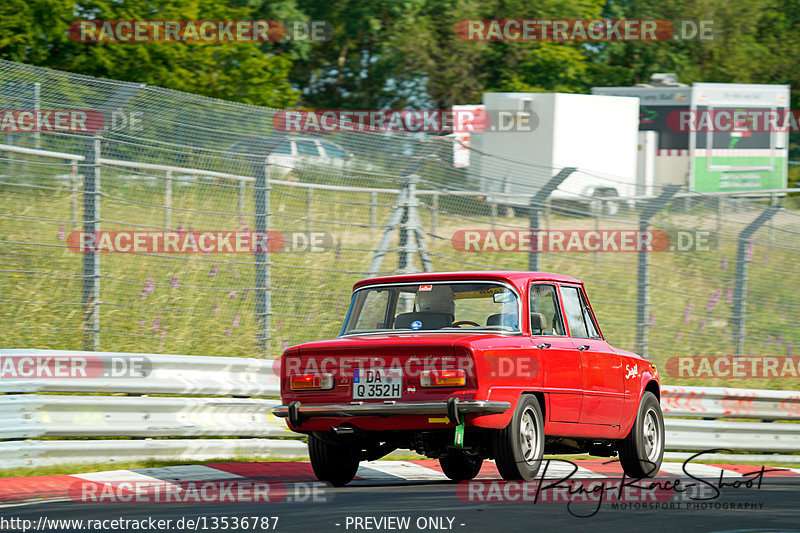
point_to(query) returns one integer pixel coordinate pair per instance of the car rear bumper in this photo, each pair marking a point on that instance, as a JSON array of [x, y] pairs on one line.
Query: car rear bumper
[[392, 408]]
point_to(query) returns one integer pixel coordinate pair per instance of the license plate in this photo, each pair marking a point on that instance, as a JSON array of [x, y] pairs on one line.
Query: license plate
[[381, 383]]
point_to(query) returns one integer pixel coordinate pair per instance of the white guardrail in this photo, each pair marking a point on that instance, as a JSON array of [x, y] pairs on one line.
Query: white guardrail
[[110, 395]]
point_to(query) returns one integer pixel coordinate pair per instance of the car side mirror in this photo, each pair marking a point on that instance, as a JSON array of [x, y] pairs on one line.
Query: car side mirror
[[538, 322]]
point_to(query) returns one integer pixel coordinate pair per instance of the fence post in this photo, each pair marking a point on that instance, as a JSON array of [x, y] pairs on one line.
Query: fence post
[[406, 221], [240, 201], [649, 209], [740, 287], [373, 207], [91, 260], [168, 199], [263, 309], [74, 181], [536, 207], [434, 212], [309, 197], [773, 201]]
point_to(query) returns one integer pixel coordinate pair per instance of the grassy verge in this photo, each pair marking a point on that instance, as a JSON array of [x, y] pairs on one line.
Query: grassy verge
[[205, 304]]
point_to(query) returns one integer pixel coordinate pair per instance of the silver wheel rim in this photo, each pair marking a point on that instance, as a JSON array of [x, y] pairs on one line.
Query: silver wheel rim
[[651, 436], [529, 436]]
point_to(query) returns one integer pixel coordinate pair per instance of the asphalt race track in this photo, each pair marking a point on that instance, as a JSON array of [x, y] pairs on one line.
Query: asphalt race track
[[436, 499], [385, 502]]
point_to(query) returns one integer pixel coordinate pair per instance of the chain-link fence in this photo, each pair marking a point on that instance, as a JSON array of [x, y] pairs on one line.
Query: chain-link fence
[[723, 278]]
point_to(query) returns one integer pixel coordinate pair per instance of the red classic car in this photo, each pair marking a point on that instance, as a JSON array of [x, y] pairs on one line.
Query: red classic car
[[468, 366]]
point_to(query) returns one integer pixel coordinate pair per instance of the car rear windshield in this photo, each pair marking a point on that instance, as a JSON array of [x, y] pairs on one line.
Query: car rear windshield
[[422, 307]]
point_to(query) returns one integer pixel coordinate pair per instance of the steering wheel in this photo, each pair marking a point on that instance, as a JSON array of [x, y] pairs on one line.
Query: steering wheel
[[462, 322]]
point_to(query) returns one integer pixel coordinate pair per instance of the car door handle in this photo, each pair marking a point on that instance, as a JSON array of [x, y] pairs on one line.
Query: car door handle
[[543, 345], [583, 347]]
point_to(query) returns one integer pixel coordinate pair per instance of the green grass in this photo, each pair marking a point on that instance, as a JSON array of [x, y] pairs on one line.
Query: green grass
[[204, 304]]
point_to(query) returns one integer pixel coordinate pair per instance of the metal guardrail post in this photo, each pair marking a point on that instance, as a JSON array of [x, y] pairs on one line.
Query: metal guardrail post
[[740, 286], [537, 207], [91, 260], [649, 209]]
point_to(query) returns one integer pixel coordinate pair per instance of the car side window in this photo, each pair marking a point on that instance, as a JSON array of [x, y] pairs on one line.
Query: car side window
[[307, 148], [573, 308], [545, 314], [333, 151], [284, 148]]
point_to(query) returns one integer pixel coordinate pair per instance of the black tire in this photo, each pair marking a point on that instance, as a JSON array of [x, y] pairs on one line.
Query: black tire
[[459, 466], [333, 463], [642, 451], [518, 448]]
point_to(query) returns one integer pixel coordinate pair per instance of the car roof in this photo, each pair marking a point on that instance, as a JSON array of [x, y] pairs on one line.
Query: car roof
[[518, 278]]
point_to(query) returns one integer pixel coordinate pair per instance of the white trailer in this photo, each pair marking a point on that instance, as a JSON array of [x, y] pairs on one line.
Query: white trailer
[[596, 134]]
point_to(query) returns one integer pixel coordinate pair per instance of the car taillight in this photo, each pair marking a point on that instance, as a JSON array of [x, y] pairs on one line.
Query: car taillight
[[443, 378], [322, 381]]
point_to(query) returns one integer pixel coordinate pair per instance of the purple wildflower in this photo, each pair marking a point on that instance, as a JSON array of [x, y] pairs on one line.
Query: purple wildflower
[[713, 300], [213, 272]]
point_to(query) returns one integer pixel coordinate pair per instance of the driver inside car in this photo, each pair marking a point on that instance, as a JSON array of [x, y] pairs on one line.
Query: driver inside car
[[440, 299]]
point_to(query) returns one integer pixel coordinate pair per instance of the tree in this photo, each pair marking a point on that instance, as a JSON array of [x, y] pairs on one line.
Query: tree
[[35, 32]]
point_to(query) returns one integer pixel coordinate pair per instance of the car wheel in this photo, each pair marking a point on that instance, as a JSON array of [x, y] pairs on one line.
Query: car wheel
[[460, 466], [333, 463], [642, 451], [518, 448]]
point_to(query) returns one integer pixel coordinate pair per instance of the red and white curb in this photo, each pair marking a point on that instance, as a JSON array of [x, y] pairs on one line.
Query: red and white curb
[[26, 490]]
